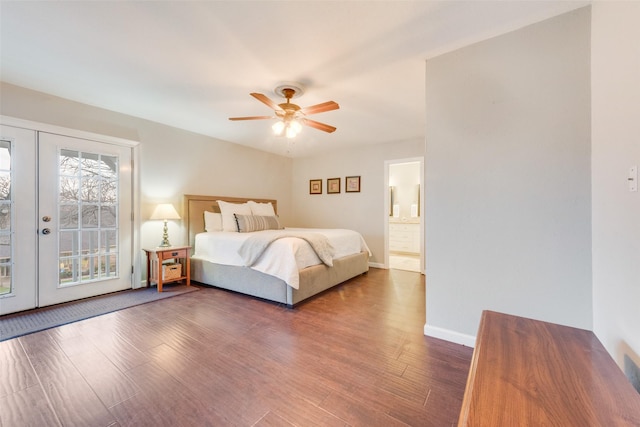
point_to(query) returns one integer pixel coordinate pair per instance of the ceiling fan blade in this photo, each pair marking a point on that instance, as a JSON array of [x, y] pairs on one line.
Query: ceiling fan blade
[[320, 126], [251, 118], [320, 108], [269, 103]]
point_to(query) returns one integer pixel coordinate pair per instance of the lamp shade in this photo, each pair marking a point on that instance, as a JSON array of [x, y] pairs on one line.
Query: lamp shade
[[165, 211]]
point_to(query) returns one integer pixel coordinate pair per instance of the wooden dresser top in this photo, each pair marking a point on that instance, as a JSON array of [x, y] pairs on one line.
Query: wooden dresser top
[[526, 372]]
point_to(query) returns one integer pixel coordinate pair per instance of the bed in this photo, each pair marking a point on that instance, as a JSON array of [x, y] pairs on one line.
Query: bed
[[309, 280]]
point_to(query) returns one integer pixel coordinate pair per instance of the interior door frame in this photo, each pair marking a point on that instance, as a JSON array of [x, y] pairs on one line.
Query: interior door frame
[[387, 207], [136, 249]]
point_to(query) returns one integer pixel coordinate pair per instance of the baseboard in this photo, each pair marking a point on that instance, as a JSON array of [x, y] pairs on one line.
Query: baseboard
[[376, 265], [449, 335]]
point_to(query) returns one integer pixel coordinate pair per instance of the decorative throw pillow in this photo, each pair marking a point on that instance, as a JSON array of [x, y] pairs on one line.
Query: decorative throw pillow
[[248, 223], [228, 210], [261, 209], [212, 221]]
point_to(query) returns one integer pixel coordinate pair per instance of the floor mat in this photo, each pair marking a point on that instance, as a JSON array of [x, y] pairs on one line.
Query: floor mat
[[27, 322]]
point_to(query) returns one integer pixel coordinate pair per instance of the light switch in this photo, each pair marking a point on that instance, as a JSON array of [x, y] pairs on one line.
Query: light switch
[[632, 179]]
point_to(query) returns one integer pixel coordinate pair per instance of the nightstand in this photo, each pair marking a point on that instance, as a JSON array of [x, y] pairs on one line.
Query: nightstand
[[160, 270]]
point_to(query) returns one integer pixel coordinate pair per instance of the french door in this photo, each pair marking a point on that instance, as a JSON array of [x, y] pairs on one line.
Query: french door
[[71, 232], [84, 220], [18, 239]]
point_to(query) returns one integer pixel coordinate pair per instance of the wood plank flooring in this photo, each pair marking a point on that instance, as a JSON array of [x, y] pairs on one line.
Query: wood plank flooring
[[353, 356]]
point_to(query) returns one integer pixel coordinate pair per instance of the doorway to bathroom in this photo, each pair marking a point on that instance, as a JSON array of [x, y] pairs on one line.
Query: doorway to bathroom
[[404, 231]]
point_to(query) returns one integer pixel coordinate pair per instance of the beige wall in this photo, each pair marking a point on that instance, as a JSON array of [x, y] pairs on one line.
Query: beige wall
[[508, 194], [616, 146]]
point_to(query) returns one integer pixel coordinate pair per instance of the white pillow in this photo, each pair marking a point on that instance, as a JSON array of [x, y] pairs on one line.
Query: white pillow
[[261, 209], [212, 221], [228, 209]]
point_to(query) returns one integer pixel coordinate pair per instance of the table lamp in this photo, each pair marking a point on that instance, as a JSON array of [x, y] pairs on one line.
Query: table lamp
[[165, 211]]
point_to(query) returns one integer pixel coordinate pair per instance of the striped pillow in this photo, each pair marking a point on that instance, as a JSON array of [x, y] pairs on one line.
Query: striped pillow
[[247, 223]]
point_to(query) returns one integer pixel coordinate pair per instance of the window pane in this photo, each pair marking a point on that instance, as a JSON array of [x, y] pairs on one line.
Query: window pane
[[90, 242], [90, 165], [107, 216], [69, 189], [90, 191], [6, 210], [5, 264], [5, 183], [68, 244], [68, 216], [5, 242], [68, 270], [5, 216], [109, 169], [109, 266], [69, 163], [90, 216], [109, 192], [88, 211], [5, 155], [109, 242], [90, 268]]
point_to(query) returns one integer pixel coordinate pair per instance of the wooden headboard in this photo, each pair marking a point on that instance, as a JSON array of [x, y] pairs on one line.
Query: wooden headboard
[[193, 208]]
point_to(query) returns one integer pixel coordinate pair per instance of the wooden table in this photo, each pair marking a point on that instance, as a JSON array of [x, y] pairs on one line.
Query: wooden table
[[155, 258], [526, 372]]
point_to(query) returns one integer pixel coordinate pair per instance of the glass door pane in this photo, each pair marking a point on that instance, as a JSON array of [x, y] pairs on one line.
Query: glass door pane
[[6, 215], [88, 212]]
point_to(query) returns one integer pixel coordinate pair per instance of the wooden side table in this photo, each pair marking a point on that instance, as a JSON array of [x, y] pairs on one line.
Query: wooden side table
[[155, 258]]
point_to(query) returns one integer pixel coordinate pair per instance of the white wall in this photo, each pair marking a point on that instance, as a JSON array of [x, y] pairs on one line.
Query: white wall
[[616, 146], [173, 162], [364, 211], [507, 175]]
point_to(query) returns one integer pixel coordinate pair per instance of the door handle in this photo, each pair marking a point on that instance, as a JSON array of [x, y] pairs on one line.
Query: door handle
[[46, 231], [46, 218]]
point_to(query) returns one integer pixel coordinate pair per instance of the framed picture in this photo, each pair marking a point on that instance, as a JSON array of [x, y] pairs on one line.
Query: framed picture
[[333, 185], [315, 186], [352, 184]]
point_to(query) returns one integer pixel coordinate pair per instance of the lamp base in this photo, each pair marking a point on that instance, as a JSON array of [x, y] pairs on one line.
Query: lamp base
[[165, 236]]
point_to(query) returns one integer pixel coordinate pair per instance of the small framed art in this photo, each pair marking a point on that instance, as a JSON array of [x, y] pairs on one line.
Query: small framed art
[[333, 185], [352, 184], [315, 186]]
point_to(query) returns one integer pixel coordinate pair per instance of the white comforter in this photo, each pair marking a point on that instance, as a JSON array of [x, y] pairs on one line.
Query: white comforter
[[284, 258]]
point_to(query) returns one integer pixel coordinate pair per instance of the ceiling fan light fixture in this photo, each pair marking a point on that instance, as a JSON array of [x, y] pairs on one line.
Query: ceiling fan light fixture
[[293, 128], [290, 127], [291, 133], [278, 127], [296, 126]]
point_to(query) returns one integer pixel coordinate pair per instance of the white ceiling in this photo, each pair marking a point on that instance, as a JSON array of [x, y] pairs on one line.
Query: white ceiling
[[192, 64]]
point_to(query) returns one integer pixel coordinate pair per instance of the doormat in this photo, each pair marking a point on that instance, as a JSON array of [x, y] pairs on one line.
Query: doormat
[[27, 322]]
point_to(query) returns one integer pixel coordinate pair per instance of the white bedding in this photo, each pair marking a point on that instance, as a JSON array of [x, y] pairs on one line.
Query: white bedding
[[284, 257]]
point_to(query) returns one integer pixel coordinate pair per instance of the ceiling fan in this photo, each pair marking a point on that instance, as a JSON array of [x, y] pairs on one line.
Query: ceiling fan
[[292, 116]]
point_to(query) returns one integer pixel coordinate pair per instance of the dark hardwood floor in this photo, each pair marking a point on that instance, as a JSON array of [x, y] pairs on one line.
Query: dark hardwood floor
[[353, 356]]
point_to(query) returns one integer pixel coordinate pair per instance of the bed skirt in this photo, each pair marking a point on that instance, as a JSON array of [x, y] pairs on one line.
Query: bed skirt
[[313, 280]]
